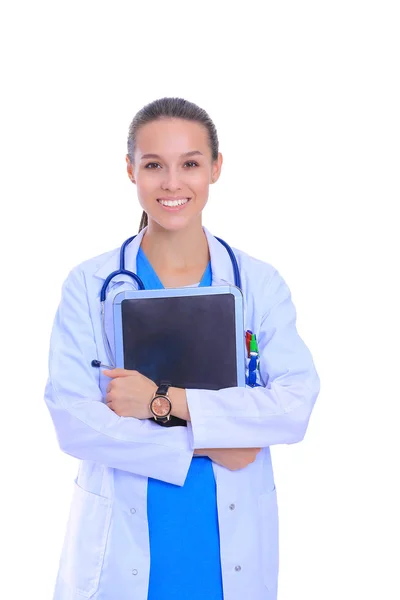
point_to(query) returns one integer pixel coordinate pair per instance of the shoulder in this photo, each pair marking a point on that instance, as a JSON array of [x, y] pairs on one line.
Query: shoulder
[[88, 268], [255, 268], [263, 282], [91, 265]]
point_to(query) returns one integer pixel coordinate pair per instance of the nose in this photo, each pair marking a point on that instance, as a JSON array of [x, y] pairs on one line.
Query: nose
[[171, 180]]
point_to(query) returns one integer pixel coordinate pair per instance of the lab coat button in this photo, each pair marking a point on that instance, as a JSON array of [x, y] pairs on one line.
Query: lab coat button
[[238, 568], [134, 572], [232, 506], [133, 510]]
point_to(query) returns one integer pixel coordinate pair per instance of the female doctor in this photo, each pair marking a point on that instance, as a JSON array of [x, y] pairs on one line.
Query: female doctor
[[181, 513]]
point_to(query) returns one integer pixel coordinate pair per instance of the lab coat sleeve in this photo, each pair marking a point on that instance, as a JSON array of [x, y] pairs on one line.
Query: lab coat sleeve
[[86, 428], [275, 413]]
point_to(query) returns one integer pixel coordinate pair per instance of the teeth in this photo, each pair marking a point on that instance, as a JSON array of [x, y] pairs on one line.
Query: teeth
[[173, 202]]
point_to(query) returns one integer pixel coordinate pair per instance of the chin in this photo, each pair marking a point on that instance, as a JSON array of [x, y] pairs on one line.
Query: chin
[[175, 222]]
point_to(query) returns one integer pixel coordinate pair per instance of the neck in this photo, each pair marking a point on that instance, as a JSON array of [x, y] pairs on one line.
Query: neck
[[176, 250]]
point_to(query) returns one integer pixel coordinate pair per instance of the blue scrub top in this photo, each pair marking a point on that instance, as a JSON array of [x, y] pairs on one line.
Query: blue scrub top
[[183, 521]]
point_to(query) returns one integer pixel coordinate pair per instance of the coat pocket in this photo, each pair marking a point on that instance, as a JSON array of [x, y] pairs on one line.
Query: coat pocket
[[270, 539], [85, 541]]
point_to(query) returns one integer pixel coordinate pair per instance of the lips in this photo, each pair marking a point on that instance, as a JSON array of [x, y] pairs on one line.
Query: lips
[[173, 202]]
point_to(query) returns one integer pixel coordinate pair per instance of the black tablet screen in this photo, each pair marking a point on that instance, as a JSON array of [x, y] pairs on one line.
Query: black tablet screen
[[189, 341]]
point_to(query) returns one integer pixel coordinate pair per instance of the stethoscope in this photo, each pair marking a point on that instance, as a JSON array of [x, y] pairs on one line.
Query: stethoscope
[[123, 271]]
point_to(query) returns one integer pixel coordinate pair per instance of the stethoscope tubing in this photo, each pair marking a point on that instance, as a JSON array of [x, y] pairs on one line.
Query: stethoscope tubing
[[123, 271]]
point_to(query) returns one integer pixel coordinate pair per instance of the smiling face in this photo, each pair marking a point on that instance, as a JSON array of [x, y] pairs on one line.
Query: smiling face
[[173, 168]]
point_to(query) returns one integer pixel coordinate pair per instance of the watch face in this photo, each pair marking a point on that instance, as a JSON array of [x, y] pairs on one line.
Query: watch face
[[160, 406]]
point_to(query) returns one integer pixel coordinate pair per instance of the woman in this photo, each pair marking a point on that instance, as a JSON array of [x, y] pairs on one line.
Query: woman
[[182, 512]]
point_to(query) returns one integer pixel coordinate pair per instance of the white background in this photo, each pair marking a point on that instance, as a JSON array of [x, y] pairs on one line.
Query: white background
[[305, 97]]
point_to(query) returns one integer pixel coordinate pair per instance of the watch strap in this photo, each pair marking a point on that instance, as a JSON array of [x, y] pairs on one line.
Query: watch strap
[[163, 388]]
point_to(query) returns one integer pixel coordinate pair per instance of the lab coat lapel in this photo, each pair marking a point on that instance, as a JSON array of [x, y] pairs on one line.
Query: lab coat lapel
[[119, 283], [221, 264], [112, 264], [223, 274]]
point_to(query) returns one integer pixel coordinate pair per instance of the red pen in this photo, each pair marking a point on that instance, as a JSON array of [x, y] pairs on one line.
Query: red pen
[[248, 340]]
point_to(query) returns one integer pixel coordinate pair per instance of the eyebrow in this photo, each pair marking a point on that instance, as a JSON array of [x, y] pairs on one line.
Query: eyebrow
[[191, 153]]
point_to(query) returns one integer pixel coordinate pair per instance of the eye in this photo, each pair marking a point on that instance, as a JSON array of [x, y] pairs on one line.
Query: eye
[[153, 163], [192, 162]]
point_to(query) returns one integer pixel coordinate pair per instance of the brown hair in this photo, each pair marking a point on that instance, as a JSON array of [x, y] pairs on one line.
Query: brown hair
[[177, 108]]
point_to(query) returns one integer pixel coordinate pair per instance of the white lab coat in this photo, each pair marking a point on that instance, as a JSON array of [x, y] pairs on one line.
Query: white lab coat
[[106, 553]]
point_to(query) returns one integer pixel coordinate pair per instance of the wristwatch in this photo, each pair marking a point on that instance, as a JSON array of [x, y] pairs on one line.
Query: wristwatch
[[160, 405]]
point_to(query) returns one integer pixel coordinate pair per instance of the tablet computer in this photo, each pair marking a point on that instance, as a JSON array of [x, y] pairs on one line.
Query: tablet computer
[[192, 337]]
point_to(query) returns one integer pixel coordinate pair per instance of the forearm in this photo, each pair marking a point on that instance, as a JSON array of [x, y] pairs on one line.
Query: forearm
[[179, 403], [88, 430], [245, 418]]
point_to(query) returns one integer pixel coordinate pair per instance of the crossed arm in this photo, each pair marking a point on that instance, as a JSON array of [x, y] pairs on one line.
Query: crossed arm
[[244, 418], [129, 394]]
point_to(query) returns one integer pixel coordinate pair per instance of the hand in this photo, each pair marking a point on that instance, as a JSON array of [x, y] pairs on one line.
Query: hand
[[129, 393], [231, 458]]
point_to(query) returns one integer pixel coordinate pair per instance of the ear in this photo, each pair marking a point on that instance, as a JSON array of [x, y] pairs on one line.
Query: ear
[[129, 168], [216, 168]]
